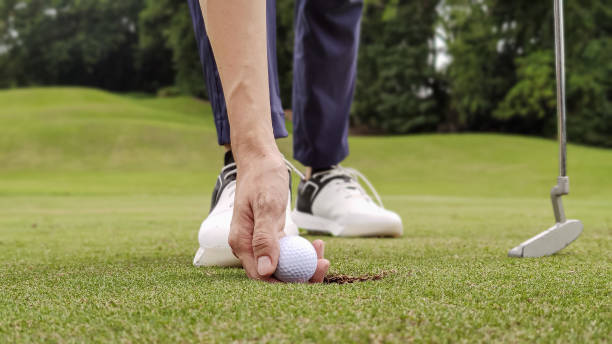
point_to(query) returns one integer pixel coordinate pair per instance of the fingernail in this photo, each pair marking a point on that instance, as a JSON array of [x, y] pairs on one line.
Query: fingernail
[[264, 265]]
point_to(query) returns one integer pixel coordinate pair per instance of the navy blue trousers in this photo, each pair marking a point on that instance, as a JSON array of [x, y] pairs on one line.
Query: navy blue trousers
[[324, 73]]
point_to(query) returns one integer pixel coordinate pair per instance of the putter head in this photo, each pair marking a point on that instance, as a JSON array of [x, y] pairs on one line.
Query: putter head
[[550, 241]]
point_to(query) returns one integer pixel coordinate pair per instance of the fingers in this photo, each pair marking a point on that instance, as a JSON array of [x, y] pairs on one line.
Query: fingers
[[260, 204], [269, 214], [321, 272], [254, 235], [322, 263], [265, 250], [241, 237], [240, 242], [319, 246]]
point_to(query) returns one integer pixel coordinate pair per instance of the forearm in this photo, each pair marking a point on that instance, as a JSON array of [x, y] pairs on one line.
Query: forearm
[[237, 32]]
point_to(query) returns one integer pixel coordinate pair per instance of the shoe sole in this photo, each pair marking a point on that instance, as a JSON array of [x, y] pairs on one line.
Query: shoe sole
[[317, 225]]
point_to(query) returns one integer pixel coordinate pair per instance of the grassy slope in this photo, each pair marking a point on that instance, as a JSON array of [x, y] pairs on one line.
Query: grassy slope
[[101, 196]]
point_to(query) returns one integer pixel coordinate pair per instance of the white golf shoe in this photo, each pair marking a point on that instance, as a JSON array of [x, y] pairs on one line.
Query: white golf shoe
[[334, 202], [214, 232]]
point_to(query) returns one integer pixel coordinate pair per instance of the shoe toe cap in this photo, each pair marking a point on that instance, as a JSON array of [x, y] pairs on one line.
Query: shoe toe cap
[[376, 223], [214, 232]]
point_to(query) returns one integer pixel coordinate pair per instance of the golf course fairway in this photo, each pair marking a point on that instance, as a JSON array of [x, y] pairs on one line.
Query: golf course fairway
[[101, 197]]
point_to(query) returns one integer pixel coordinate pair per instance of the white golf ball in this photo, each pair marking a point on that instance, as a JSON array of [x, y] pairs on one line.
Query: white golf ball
[[297, 261]]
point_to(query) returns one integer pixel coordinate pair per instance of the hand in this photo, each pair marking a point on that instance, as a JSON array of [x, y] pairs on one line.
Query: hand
[[259, 217]]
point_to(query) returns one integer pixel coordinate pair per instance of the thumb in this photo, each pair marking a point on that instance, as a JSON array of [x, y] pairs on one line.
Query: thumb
[[269, 209], [265, 246], [267, 231]]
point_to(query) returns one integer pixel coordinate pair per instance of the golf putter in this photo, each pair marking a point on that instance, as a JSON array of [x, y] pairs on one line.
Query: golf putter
[[564, 231]]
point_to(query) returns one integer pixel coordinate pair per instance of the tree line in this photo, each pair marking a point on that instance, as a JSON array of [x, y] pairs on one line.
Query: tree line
[[498, 71]]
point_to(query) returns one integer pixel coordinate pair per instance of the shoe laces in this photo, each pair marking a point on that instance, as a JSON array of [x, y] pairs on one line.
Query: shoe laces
[[231, 167], [294, 169], [337, 170], [231, 188], [353, 182]]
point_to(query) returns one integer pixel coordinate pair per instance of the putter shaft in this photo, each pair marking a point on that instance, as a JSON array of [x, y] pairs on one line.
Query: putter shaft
[[560, 71]]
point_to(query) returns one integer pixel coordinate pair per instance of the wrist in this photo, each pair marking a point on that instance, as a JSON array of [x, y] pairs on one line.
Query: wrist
[[254, 144]]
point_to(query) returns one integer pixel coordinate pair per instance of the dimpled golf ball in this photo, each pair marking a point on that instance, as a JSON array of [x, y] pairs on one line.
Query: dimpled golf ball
[[297, 261]]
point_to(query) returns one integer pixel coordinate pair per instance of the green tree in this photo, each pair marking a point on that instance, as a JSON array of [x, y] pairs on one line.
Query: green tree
[[7, 65], [284, 48], [502, 74], [89, 43], [396, 88], [166, 34]]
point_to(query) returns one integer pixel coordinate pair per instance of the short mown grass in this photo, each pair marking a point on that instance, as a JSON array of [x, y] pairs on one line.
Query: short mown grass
[[101, 197]]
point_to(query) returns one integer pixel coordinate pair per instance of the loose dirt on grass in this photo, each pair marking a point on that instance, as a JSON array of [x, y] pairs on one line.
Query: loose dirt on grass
[[344, 279]]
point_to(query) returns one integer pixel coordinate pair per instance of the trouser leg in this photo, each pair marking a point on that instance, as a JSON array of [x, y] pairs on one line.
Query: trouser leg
[[324, 72]]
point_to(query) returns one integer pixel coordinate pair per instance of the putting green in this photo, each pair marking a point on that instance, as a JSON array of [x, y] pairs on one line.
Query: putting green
[[101, 196]]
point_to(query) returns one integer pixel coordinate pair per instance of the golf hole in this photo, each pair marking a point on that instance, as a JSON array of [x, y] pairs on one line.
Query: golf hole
[[344, 279]]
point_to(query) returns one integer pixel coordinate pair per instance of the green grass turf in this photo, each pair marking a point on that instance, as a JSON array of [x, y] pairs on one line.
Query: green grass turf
[[101, 196]]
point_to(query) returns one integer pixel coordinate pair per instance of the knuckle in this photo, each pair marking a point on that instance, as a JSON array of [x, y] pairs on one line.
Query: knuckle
[[262, 240], [233, 242], [239, 242]]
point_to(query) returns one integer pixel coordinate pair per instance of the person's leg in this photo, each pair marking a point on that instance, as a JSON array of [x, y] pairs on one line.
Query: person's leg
[[213, 83], [330, 199], [324, 73]]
